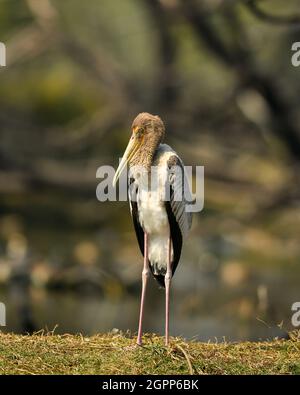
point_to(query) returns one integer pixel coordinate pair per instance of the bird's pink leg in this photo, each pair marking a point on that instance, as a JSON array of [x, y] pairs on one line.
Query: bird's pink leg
[[145, 275], [168, 278]]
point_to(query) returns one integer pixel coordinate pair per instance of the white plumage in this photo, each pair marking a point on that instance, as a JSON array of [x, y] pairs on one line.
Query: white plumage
[[152, 211]]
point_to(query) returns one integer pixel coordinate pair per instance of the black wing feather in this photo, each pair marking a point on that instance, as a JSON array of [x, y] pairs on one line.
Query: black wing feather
[[137, 226], [176, 237], [139, 231]]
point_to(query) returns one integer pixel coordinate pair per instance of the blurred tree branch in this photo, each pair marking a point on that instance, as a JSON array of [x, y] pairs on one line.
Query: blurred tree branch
[[242, 61], [270, 18], [98, 64], [83, 133], [166, 85]]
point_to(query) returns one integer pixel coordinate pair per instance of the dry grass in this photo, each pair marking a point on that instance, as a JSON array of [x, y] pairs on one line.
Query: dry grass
[[115, 354]]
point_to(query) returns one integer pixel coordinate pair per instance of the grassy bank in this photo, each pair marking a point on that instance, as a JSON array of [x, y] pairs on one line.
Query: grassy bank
[[115, 354]]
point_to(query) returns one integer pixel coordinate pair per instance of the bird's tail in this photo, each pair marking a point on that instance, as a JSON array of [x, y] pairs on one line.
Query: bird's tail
[[160, 278]]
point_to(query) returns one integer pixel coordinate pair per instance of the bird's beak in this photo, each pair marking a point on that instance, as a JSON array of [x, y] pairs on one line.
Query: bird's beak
[[130, 151]]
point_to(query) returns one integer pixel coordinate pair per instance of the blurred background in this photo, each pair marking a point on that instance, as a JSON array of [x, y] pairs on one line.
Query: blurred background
[[219, 74]]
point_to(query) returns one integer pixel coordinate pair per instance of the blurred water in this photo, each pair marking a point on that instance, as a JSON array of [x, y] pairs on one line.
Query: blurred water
[[214, 313]]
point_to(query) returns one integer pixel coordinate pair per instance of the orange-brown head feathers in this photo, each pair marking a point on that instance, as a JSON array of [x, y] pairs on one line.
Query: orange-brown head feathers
[[145, 124]]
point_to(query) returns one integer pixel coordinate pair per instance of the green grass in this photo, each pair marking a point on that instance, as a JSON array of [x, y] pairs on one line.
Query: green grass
[[116, 354]]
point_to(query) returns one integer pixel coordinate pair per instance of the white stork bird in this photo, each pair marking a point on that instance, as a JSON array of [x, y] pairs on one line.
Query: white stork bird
[[160, 219]]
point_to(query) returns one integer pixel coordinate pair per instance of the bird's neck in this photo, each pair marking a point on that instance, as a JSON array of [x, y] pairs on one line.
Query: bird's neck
[[145, 155]]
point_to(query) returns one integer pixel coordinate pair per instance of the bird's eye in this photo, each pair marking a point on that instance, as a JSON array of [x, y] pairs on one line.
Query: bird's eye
[[140, 132]]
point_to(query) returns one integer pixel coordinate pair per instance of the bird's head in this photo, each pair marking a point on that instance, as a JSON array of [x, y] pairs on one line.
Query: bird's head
[[147, 133]]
